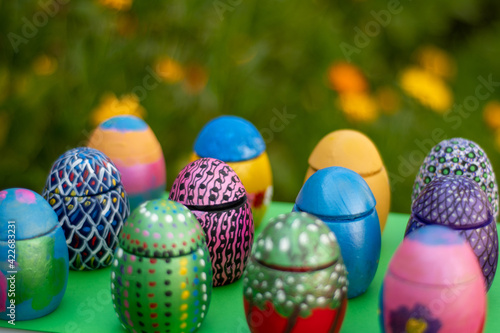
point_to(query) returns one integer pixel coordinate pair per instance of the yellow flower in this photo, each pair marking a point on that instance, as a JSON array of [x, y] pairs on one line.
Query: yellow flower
[[430, 90], [117, 4], [436, 61], [491, 114], [196, 79], [44, 65], [169, 70], [416, 325], [358, 107], [346, 78], [111, 106], [388, 100]]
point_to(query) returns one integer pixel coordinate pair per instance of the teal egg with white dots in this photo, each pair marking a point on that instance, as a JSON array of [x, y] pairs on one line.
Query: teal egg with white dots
[[161, 277], [459, 157]]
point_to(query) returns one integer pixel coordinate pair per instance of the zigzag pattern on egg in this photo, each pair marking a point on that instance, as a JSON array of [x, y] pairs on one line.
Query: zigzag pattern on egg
[[213, 185], [231, 257]]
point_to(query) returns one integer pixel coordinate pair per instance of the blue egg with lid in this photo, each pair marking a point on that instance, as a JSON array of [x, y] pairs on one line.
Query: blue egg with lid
[[33, 256], [237, 142], [85, 190], [343, 200]]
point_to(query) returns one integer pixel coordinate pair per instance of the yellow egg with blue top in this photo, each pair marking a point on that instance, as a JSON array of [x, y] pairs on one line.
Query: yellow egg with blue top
[[237, 142]]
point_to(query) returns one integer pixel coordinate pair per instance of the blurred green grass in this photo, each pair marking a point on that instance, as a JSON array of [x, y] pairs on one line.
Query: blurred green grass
[[258, 57]]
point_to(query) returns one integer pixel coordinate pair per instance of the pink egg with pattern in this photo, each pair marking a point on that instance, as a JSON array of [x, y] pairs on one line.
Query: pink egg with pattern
[[433, 284], [213, 192]]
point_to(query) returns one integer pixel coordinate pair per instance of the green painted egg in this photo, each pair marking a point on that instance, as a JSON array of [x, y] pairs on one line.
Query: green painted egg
[[161, 277]]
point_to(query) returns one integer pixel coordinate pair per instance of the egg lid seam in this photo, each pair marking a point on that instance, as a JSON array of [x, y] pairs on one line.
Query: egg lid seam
[[434, 285], [423, 220], [219, 207], [366, 174], [339, 218]]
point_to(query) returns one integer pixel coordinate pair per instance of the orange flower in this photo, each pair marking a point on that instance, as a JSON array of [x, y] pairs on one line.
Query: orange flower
[[44, 65], [346, 78], [491, 114], [436, 61], [196, 79], [358, 107], [111, 106], [169, 70], [117, 4], [388, 100]]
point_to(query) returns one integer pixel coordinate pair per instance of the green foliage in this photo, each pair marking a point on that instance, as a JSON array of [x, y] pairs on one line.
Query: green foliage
[[259, 55]]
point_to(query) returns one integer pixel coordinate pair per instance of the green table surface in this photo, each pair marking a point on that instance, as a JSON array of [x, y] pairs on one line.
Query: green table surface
[[86, 306]]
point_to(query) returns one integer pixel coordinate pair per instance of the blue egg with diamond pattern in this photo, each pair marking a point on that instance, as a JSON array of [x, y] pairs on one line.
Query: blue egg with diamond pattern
[[85, 190]]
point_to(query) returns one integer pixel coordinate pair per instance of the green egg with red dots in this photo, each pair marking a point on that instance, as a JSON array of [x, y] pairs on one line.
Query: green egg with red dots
[[161, 277]]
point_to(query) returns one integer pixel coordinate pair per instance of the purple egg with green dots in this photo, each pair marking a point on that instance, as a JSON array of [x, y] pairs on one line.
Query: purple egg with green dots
[[460, 157], [33, 256], [84, 188], [161, 277]]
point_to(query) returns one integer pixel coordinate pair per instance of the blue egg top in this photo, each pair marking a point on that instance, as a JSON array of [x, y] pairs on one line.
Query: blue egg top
[[82, 172], [336, 192], [124, 124], [436, 235], [32, 216], [229, 139]]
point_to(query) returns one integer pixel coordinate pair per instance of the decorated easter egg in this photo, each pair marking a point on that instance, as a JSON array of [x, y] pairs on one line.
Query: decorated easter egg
[[460, 157], [33, 256], [295, 280], [237, 142], [85, 190], [161, 277], [355, 151], [343, 200], [459, 203], [132, 146], [216, 196], [433, 284]]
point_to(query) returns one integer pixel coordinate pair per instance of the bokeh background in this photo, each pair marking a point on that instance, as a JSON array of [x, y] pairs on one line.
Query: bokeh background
[[403, 72]]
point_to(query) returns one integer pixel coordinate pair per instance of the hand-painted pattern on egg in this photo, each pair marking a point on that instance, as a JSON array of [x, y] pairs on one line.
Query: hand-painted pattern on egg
[[295, 280], [459, 203], [459, 157], [214, 193], [237, 142], [33, 256], [433, 284], [132, 146], [84, 189], [161, 277]]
